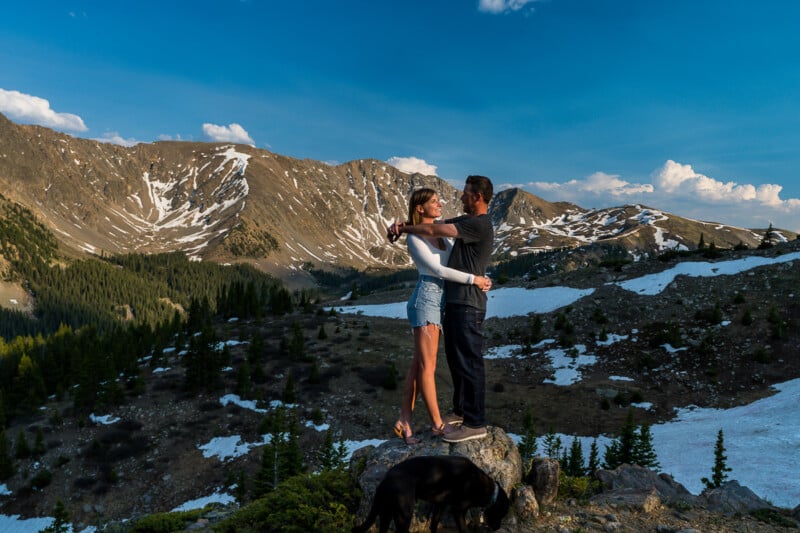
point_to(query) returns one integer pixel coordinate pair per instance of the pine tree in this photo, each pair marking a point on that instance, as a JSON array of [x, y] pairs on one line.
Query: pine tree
[[322, 335], [767, 241], [22, 449], [574, 465], [332, 456], [643, 452], [702, 244], [289, 395], [60, 520], [292, 463], [527, 445], [244, 386], [297, 343], [2, 400], [719, 471], [552, 444], [594, 458], [282, 458], [6, 461], [620, 450], [240, 491], [314, 375], [38, 444]]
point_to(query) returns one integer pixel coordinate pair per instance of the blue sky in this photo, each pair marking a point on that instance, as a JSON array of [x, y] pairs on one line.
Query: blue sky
[[687, 106]]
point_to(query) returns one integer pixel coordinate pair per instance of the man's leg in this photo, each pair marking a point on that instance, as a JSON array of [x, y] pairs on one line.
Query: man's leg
[[465, 358], [452, 325]]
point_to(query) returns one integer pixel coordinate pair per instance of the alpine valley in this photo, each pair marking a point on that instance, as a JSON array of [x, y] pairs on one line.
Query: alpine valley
[[157, 303], [226, 203]]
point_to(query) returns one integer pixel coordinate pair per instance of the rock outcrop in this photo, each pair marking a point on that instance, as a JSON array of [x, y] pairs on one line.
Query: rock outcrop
[[628, 480], [732, 498], [497, 455]]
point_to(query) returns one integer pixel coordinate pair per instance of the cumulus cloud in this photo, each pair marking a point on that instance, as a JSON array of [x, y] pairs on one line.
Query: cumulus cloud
[[230, 133], [501, 6], [682, 180], [412, 165], [34, 110], [112, 137], [598, 184], [679, 189]]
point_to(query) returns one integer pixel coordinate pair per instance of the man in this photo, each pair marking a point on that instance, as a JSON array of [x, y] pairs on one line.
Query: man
[[465, 306]]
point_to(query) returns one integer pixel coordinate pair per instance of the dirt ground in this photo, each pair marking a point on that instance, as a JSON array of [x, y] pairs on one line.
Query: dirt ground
[[151, 461]]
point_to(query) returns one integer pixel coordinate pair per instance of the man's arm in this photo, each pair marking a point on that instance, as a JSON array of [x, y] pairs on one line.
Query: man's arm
[[424, 230]]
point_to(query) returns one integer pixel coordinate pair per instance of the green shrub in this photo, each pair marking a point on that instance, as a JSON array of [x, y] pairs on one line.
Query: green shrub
[[581, 488], [774, 517], [762, 356], [322, 503], [41, 479], [166, 522]]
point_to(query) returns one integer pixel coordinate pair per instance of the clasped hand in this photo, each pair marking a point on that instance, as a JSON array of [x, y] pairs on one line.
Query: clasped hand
[[393, 231]]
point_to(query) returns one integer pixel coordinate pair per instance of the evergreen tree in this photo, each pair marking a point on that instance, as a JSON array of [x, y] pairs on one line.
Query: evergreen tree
[[60, 520], [38, 444], [322, 335], [244, 386], [6, 461], [527, 444], [240, 492], [203, 361], [620, 450], [552, 444], [702, 244], [767, 241], [2, 398], [594, 458], [332, 456], [282, 458], [574, 465], [643, 452], [256, 352], [314, 375], [289, 395], [719, 473], [297, 342], [22, 449]]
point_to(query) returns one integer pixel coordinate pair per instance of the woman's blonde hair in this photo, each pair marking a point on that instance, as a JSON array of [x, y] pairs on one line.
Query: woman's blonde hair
[[418, 197]]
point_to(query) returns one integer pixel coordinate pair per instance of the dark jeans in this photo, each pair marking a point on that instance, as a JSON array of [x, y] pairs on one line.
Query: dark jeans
[[463, 344]]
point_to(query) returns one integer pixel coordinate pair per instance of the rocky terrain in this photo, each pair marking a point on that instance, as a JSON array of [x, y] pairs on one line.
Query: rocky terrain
[[231, 203], [235, 203], [149, 460]]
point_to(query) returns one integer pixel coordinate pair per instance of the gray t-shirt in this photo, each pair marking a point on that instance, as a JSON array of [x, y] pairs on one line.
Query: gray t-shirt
[[472, 252]]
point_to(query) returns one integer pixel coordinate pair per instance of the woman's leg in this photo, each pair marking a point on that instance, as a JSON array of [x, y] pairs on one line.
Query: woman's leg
[[410, 388], [426, 346]]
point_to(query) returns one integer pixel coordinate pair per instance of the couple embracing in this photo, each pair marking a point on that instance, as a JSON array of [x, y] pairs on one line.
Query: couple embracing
[[452, 257]]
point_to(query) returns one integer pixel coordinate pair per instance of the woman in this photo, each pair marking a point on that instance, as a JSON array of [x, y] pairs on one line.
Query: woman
[[424, 309]]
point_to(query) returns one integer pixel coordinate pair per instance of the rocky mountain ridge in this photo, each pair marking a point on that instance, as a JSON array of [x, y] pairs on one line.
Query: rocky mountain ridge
[[228, 203]]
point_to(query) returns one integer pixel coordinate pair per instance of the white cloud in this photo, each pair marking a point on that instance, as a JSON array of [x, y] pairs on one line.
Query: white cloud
[[679, 189], [598, 184], [113, 137], [412, 165], [501, 6], [231, 133], [35, 110], [681, 180]]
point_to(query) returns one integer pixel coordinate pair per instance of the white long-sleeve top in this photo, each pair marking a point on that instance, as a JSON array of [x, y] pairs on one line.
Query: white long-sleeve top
[[432, 261]]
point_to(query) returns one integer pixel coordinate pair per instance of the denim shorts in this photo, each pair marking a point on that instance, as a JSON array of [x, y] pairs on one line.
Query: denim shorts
[[426, 303]]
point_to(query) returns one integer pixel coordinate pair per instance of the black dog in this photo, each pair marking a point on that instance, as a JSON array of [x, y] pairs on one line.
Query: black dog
[[442, 481]]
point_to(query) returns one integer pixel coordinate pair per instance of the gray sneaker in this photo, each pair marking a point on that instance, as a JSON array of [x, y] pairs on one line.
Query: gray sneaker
[[464, 433], [452, 419]]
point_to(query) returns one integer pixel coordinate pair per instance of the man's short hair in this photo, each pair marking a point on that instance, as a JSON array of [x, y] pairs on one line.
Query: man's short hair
[[482, 185]]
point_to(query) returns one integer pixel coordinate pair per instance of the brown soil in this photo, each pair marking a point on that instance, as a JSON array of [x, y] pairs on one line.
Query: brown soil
[[151, 461]]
